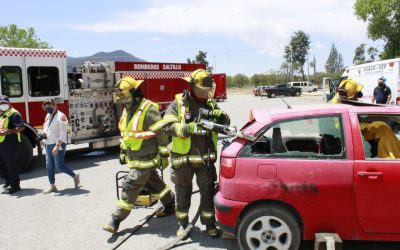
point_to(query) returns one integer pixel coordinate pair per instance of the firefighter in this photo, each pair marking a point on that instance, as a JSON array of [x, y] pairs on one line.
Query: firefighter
[[11, 126], [194, 149], [141, 149], [347, 90]]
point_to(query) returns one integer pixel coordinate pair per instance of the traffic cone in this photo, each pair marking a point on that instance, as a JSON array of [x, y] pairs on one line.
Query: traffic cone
[[251, 117]]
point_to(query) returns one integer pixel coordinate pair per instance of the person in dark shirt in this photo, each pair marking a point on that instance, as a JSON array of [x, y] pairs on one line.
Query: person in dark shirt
[[382, 92], [11, 126]]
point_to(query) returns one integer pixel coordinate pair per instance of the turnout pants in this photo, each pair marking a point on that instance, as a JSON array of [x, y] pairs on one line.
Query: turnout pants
[[8, 162], [133, 183], [182, 177]]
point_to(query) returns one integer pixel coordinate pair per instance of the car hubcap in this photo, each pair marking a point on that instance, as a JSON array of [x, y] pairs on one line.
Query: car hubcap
[[268, 232]]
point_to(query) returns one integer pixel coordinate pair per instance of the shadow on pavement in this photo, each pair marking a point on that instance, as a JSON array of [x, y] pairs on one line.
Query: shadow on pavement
[[72, 192], [27, 192]]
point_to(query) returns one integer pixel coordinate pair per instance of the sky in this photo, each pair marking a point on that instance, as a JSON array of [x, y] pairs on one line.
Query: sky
[[239, 36]]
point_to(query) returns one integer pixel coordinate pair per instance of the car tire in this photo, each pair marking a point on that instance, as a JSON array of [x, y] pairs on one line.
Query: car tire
[[259, 229], [315, 90], [26, 151], [272, 95], [297, 93]]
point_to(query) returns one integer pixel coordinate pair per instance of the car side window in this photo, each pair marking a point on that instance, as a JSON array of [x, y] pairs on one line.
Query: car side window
[[380, 135], [311, 137]]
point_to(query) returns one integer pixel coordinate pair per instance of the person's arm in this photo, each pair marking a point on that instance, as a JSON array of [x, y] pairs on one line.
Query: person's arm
[[389, 97], [18, 123], [172, 127], [62, 123]]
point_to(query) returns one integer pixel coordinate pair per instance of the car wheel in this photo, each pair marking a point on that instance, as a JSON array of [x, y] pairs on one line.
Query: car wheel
[[297, 93], [272, 228], [24, 163], [273, 95], [315, 90]]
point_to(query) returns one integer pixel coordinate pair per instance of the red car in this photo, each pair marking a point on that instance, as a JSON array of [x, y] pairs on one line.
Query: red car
[[333, 168]]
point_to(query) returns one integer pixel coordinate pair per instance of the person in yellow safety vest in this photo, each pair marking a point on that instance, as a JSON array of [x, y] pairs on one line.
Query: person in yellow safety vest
[[194, 149], [347, 90], [11, 126], [142, 149]]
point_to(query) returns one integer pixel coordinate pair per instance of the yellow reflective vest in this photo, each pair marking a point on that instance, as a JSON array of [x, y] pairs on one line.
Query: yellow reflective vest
[[4, 121], [181, 145], [132, 133]]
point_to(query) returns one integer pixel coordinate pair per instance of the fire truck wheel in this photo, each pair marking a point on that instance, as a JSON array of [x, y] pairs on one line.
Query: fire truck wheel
[[26, 152]]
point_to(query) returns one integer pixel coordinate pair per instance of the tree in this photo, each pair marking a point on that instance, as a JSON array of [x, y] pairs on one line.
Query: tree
[[383, 18], [201, 58], [240, 80], [359, 54], [372, 53], [334, 63], [12, 36], [295, 54]]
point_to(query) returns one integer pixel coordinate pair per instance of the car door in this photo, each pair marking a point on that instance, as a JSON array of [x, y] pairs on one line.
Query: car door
[[307, 163], [376, 180]]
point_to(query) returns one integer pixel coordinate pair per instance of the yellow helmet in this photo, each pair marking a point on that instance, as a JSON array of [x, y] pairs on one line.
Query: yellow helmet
[[349, 88], [202, 83], [124, 89]]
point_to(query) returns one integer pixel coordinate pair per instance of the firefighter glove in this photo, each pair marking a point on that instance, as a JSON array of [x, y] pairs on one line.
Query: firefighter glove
[[164, 163], [192, 127], [122, 158], [219, 114]]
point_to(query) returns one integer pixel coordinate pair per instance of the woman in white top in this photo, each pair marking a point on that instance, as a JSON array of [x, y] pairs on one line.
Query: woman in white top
[[55, 128]]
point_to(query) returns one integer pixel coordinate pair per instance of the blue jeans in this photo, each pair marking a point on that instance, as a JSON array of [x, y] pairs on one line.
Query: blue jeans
[[56, 161]]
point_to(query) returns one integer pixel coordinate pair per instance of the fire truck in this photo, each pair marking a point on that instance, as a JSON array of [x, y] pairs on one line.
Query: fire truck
[[29, 76]]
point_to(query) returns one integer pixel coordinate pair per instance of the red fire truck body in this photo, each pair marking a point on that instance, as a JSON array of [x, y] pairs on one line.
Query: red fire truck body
[[29, 76]]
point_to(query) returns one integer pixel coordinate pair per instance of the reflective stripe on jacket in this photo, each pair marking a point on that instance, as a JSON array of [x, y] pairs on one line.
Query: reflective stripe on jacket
[[132, 133]]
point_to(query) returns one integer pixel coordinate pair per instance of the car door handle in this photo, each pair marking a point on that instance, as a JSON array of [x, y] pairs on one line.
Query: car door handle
[[370, 175]]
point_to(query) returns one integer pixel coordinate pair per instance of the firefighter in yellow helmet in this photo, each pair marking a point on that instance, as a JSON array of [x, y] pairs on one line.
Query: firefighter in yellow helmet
[[142, 149], [347, 90], [194, 149]]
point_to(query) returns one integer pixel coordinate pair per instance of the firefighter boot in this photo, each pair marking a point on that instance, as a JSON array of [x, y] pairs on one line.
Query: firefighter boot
[[166, 210], [112, 226], [181, 231], [212, 231]]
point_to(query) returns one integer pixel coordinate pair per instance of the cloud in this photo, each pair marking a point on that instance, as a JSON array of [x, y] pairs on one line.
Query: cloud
[[319, 45], [155, 39], [265, 25]]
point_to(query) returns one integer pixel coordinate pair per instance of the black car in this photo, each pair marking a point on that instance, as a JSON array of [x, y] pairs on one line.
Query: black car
[[282, 89]]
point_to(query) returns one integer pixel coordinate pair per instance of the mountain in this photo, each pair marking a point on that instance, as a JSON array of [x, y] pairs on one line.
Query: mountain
[[118, 55]]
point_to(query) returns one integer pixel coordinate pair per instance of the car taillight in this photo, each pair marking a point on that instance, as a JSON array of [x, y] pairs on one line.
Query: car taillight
[[398, 101], [228, 166]]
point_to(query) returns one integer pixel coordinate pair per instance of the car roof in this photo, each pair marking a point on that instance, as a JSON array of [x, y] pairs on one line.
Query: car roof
[[269, 115]]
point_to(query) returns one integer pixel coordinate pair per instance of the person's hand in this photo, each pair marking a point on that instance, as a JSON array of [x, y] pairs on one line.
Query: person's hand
[[192, 127], [55, 150], [122, 158], [218, 114], [164, 163], [3, 132]]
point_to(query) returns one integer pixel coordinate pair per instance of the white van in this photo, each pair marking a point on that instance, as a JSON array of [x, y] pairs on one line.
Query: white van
[[305, 86]]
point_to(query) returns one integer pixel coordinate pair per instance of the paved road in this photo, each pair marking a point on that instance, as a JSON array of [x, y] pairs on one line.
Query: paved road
[[72, 218]]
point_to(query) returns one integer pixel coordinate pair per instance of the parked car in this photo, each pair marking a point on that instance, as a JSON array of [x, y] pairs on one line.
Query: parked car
[[282, 89], [310, 170], [305, 86], [259, 91]]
